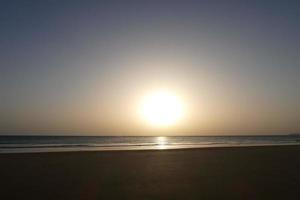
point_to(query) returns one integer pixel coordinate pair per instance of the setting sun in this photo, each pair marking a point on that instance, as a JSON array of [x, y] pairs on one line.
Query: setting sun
[[162, 108]]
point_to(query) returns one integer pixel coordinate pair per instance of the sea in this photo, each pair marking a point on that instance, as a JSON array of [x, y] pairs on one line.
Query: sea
[[28, 144]]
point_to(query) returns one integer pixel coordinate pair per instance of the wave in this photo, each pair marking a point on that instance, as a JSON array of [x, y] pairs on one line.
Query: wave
[[47, 144], [20, 146], [16, 146]]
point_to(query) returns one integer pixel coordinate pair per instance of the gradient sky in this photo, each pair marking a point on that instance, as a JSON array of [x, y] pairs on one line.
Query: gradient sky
[[81, 67]]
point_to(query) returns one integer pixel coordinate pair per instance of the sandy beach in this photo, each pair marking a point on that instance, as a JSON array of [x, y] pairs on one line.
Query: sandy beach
[[212, 173]]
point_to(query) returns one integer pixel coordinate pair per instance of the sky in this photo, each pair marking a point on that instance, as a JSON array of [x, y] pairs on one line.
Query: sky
[[82, 67]]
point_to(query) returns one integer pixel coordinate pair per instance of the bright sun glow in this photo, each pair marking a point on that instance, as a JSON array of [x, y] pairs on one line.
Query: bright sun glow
[[162, 109]]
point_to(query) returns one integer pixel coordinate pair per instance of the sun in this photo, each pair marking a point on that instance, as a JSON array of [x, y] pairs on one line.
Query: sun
[[162, 109]]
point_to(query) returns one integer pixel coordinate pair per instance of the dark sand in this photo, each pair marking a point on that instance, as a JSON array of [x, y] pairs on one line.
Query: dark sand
[[213, 173]]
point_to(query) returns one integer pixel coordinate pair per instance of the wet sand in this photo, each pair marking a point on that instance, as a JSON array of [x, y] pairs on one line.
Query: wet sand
[[211, 173]]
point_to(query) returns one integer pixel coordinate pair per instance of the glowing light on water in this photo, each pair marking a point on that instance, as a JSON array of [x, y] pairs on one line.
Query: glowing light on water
[[162, 142]]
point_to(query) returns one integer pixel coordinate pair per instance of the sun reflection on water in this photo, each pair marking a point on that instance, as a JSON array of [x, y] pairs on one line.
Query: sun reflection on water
[[162, 142]]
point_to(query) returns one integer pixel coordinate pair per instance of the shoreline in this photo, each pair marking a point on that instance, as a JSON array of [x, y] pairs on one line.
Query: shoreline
[[117, 149]]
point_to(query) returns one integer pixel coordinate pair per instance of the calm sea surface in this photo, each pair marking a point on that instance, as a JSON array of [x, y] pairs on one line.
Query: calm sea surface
[[14, 144]]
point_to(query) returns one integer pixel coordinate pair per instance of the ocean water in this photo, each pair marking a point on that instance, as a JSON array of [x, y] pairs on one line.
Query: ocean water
[[17, 144]]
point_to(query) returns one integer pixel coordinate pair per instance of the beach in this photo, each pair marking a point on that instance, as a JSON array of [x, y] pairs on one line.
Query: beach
[[269, 172]]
